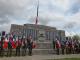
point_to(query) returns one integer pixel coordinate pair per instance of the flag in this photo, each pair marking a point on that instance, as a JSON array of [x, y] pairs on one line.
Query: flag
[[34, 44], [13, 44], [5, 45]]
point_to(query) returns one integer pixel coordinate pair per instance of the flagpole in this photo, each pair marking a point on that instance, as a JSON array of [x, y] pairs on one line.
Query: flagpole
[[37, 18]]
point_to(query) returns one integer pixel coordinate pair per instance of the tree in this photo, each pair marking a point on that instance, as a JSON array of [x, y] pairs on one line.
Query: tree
[[76, 37]]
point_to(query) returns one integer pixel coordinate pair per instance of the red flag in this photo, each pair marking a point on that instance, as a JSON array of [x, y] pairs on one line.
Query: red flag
[[5, 45], [58, 45], [18, 43], [34, 45], [13, 45]]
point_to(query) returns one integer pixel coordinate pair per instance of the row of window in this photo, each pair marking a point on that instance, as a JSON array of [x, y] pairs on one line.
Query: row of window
[[34, 34], [30, 32], [50, 35]]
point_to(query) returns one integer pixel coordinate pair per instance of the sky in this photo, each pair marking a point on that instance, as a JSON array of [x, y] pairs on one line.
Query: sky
[[62, 14]]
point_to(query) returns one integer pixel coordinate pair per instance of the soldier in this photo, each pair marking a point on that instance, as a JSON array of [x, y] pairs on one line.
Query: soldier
[[79, 47], [0, 46], [72, 48], [63, 46], [2, 38], [53, 44], [58, 46], [67, 45], [24, 44], [18, 47], [29, 46], [9, 48], [76, 46]]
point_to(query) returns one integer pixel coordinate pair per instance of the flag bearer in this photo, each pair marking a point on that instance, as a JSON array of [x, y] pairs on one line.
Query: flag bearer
[[24, 45], [2, 39], [29, 46], [58, 46], [63, 46], [10, 46], [18, 43]]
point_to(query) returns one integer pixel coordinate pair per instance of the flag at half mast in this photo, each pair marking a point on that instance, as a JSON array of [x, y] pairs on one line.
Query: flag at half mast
[[36, 22]]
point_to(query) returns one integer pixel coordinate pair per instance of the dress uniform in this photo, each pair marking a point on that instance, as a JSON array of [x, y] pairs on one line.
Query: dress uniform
[[63, 47], [24, 47], [9, 49], [58, 46], [29, 46], [18, 47]]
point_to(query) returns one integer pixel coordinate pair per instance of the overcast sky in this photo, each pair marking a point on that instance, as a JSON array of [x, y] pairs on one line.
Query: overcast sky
[[63, 14]]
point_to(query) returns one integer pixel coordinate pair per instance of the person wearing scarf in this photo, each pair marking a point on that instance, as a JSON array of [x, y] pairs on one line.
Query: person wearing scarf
[[5, 45], [18, 46], [2, 39], [58, 46], [29, 45], [24, 44], [10, 46]]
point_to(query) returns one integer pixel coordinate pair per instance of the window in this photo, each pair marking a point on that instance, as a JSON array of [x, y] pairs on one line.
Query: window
[[47, 35], [31, 32]]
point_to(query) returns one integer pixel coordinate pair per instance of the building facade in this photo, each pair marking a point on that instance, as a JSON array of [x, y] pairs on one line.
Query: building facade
[[37, 32]]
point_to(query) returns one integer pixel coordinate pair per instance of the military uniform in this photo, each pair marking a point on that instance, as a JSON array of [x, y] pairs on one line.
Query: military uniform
[[29, 46], [2, 50], [9, 53], [18, 48], [24, 48], [63, 47], [58, 46]]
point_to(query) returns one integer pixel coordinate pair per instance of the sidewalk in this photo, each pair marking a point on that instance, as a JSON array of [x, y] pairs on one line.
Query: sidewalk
[[40, 57]]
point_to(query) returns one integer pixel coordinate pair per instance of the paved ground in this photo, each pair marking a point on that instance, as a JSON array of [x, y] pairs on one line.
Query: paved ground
[[40, 57]]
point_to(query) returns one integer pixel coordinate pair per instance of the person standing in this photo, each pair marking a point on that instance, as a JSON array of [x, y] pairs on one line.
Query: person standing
[[9, 48], [24, 44], [29, 46], [0, 45], [67, 45], [18, 43], [63, 46], [53, 44], [10, 45], [58, 46], [72, 48], [2, 39]]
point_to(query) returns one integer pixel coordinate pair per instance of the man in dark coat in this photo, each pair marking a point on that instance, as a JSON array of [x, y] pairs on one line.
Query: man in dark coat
[[2, 50], [18, 43], [24, 45], [9, 53], [63, 46], [29, 46]]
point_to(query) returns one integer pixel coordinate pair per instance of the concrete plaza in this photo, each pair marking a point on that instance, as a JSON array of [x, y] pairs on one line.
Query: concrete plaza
[[41, 57]]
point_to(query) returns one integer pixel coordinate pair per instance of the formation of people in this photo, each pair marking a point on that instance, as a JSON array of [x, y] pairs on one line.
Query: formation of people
[[10, 43], [67, 46], [19, 45]]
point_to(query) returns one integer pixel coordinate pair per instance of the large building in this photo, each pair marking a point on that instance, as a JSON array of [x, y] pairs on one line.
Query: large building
[[37, 32]]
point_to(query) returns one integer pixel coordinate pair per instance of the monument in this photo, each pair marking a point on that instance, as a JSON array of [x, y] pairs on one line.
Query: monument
[[44, 35]]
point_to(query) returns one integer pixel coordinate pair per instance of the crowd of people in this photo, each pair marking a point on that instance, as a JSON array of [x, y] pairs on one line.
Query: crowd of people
[[18, 44], [67, 46]]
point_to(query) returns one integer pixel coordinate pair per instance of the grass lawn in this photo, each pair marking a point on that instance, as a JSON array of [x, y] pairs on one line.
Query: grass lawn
[[66, 59]]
